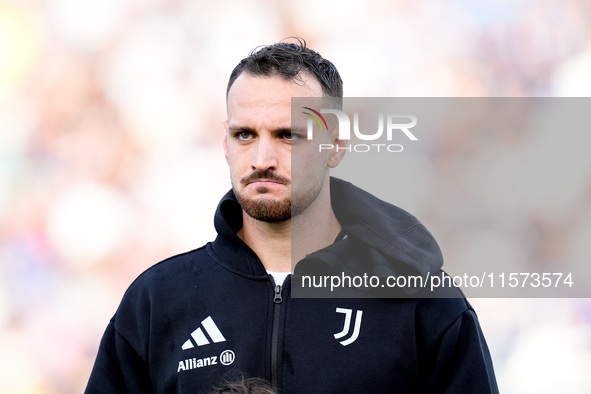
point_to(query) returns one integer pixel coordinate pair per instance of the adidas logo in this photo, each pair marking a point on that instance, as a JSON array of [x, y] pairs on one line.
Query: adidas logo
[[199, 336]]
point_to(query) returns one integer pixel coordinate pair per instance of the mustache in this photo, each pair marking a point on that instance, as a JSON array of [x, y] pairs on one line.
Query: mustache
[[267, 174]]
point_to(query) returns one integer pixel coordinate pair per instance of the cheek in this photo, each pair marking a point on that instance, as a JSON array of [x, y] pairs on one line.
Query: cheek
[[315, 156], [308, 165], [233, 164]]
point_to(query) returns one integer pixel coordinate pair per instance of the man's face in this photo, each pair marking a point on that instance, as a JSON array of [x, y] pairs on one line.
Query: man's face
[[258, 147]]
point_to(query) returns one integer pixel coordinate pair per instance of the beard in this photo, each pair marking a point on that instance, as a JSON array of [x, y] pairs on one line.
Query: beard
[[264, 209], [274, 210]]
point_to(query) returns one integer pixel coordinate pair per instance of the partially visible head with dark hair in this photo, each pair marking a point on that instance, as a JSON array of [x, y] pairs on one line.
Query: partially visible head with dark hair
[[289, 60], [244, 386]]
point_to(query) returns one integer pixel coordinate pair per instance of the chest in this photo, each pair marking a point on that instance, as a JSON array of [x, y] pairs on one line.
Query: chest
[[299, 345]]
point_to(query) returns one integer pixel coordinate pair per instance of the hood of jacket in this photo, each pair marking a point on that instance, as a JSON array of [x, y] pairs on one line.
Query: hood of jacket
[[382, 239]]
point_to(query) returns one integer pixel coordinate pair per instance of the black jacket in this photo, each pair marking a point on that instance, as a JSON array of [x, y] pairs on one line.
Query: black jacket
[[210, 314]]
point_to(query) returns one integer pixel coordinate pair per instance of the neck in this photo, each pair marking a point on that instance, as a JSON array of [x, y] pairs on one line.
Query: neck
[[278, 245]]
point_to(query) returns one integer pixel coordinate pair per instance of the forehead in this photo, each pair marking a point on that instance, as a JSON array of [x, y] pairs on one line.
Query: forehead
[[254, 99]]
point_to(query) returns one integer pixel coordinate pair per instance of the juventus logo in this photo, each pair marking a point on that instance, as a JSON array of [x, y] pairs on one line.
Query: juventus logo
[[348, 313]]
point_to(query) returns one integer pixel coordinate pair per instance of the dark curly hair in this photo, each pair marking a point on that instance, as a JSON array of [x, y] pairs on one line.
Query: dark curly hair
[[288, 60], [244, 386]]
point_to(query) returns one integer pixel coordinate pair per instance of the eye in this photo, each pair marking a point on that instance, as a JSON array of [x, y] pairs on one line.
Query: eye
[[243, 135], [290, 136]]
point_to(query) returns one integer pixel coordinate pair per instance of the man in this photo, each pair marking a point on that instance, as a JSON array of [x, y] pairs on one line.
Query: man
[[225, 309]]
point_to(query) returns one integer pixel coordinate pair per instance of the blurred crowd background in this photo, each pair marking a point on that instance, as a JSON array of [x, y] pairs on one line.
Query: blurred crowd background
[[111, 155]]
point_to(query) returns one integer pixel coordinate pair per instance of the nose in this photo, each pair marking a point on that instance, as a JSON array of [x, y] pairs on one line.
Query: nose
[[265, 156]]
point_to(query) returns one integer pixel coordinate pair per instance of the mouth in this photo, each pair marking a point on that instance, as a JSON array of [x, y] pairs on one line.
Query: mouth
[[264, 183], [265, 179]]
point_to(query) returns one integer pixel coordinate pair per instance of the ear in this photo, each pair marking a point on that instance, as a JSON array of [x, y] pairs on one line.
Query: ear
[[226, 140], [336, 155]]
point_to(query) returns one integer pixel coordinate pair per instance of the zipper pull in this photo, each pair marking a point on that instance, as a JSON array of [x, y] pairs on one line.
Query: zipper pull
[[278, 298]]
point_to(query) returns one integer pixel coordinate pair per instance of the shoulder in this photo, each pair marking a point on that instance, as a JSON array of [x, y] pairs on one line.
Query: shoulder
[[437, 317], [172, 271], [166, 284], [442, 306], [441, 311]]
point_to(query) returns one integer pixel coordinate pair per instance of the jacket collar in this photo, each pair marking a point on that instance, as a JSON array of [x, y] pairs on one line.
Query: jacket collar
[[228, 249], [389, 239]]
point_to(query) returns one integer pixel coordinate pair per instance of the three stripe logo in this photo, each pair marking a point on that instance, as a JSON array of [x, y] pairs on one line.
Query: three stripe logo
[[347, 327], [199, 336]]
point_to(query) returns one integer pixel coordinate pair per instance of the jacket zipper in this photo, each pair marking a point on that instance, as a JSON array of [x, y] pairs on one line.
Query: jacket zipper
[[277, 300]]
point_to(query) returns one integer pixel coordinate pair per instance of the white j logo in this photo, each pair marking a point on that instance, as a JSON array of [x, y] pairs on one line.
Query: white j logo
[[347, 326]]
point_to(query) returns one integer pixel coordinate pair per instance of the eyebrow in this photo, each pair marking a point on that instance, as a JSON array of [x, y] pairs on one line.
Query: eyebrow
[[235, 129], [240, 128]]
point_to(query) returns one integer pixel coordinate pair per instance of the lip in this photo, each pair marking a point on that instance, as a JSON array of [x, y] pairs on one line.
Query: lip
[[264, 182]]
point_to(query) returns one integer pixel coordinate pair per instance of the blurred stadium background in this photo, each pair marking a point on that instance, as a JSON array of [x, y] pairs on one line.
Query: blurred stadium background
[[110, 153]]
